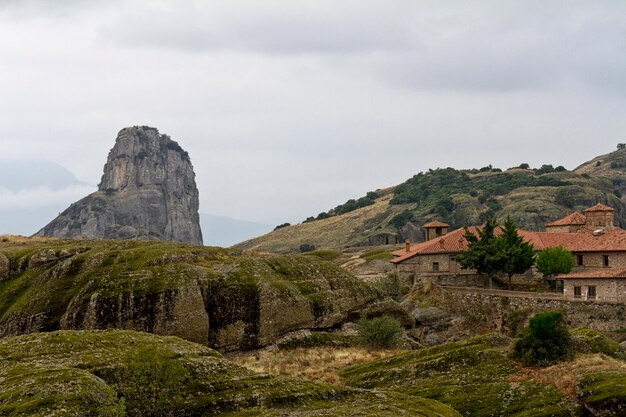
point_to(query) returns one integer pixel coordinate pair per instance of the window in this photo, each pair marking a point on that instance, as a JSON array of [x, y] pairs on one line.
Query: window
[[577, 292], [438, 231], [435, 266], [579, 260], [591, 292], [605, 259]]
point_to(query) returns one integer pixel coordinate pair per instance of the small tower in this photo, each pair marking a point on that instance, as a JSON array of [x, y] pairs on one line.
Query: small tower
[[600, 216], [435, 229]]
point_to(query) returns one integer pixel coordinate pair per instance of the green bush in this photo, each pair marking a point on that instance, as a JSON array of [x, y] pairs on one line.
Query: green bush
[[402, 218], [380, 332], [281, 226], [307, 247], [545, 341]]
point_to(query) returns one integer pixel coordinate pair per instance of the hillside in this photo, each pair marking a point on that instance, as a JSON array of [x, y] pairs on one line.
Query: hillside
[[531, 197], [217, 297]]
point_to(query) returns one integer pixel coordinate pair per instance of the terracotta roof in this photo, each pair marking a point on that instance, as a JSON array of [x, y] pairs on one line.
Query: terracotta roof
[[607, 273], [574, 219], [449, 243], [599, 207], [436, 223], [454, 242]]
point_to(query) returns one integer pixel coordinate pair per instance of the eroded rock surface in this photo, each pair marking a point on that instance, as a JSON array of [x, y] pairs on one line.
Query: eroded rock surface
[[213, 296], [148, 191]]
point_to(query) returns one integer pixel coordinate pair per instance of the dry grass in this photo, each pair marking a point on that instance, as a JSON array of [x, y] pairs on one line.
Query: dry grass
[[332, 233], [319, 364], [564, 375], [23, 239]]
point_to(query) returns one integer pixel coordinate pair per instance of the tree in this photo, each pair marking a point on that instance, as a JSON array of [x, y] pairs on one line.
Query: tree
[[517, 254], [380, 332], [483, 253], [487, 254], [545, 341], [555, 260], [621, 145]]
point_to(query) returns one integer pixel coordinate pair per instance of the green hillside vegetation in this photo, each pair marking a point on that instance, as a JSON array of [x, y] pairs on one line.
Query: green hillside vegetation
[[72, 373], [530, 197]]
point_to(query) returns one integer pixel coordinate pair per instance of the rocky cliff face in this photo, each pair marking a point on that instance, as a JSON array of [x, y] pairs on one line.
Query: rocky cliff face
[[148, 191], [212, 296]]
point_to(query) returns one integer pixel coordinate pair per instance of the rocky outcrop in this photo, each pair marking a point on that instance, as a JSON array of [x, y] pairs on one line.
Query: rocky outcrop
[[148, 191], [72, 374], [212, 296]]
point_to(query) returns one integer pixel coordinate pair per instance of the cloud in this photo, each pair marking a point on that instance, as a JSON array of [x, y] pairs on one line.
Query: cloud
[[41, 197], [274, 27], [488, 46]]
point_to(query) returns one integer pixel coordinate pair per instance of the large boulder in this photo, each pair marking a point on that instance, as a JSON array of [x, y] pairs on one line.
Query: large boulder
[[213, 296], [148, 191]]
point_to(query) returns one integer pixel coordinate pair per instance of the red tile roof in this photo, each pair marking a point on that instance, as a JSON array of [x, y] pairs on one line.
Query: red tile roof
[[607, 273], [436, 223], [454, 242], [574, 219], [599, 207]]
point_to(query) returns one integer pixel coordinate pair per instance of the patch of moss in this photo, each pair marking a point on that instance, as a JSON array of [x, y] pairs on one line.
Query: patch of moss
[[326, 254], [592, 341], [317, 339], [603, 392], [377, 254]]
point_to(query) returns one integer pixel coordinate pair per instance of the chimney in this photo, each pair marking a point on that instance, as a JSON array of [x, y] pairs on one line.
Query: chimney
[[407, 245]]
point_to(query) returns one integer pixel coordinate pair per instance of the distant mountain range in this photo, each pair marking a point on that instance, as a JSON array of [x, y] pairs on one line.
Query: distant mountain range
[[531, 197], [225, 231]]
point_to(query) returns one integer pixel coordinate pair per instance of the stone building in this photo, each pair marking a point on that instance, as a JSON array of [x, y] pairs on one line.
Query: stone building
[[599, 284], [595, 244]]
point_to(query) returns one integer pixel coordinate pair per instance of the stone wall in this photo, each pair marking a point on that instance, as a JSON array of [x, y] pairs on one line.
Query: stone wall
[[497, 310]]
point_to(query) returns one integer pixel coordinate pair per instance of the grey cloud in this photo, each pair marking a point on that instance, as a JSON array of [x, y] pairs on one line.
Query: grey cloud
[[277, 27]]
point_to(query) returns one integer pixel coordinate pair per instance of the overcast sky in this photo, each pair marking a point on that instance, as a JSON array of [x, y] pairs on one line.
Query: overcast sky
[[289, 108]]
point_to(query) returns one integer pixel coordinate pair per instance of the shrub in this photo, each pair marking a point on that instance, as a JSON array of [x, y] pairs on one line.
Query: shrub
[[307, 247], [380, 332], [545, 341], [400, 219], [280, 226]]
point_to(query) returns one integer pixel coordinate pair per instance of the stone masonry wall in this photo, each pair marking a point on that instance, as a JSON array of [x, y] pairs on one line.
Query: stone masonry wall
[[496, 311]]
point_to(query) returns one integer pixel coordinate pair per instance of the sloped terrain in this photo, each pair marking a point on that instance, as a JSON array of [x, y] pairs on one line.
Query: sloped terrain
[[477, 378], [460, 198], [211, 296], [119, 373]]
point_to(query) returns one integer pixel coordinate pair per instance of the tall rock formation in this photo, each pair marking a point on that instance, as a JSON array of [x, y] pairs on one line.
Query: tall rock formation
[[148, 191]]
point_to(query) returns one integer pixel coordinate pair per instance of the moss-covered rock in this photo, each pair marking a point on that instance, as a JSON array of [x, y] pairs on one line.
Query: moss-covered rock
[[603, 393], [471, 376], [214, 296], [77, 373], [592, 341]]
